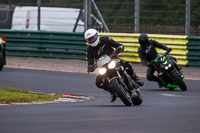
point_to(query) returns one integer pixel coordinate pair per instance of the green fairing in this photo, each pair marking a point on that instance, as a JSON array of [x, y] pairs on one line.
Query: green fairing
[[163, 57], [165, 62], [101, 58], [172, 86], [156, 59]]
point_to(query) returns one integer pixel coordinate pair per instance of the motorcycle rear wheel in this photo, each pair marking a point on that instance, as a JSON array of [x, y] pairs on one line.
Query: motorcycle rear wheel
[[138, 99], [121, 93]]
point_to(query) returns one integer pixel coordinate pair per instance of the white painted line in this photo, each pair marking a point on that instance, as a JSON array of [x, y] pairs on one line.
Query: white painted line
[[170, 95]]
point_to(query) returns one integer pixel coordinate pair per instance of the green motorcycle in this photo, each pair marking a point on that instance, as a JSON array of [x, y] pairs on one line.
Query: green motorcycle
[[169, 72]]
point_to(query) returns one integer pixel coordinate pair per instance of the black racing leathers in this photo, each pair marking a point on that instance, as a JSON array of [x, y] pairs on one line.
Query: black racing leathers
[[106, 46], [148, 54]]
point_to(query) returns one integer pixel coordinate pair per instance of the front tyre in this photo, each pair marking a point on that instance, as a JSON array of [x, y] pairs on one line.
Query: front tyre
[[118, 87], [179, 81]]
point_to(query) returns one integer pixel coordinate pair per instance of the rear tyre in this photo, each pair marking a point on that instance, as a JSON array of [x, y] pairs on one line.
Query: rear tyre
[[118, 88], [138, 99]]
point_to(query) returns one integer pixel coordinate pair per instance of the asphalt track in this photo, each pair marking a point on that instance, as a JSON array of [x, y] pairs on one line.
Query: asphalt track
[[162, 110]]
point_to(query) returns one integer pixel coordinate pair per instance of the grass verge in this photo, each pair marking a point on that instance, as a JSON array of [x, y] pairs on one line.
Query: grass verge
[[9, 95]]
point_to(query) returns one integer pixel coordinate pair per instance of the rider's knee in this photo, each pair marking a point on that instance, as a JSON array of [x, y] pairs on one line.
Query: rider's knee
[[126, 64], [101, 83], [149, 77]]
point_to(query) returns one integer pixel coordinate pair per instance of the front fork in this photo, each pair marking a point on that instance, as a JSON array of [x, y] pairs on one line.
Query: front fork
[[174, 70], [125, 79], [177, 71]]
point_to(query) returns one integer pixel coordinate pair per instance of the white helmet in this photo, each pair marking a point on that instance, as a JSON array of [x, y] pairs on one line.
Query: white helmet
[[92, 37]]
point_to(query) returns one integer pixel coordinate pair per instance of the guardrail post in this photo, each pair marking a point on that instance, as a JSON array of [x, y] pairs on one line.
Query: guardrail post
[[39, 5], [4, 50], [137, 16], [187, 17]]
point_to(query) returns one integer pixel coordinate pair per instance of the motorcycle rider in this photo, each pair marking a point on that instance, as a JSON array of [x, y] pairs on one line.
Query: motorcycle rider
[[147, 52], [99, 46]]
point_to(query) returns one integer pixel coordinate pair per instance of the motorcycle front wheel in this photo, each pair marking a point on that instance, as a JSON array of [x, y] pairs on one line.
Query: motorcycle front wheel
[[179, 81], [118, 88]]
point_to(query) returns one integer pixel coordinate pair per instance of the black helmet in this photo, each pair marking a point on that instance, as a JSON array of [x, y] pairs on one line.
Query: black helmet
[[143, 40]]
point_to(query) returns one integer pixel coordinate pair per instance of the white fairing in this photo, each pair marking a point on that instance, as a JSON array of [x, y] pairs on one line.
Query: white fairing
[[103, 60]]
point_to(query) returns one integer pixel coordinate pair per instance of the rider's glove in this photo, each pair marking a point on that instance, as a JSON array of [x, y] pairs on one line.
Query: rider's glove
[[113, 54], [118, 50], [91, 68], [169, 50]]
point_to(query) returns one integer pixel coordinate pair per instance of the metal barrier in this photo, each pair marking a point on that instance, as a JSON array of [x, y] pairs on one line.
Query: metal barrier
[[45, 44], [73, 46], [194, 51], [178, 44]]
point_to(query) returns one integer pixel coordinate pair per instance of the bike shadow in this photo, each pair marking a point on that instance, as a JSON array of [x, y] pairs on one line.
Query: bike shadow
[[111, 106], [164, 89]]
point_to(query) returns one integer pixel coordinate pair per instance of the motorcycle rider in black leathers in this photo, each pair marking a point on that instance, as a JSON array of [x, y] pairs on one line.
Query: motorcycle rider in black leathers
[[99, 46], [147, 52]]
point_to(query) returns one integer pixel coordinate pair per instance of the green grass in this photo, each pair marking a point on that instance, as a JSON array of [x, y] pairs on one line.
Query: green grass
[[9, 95]]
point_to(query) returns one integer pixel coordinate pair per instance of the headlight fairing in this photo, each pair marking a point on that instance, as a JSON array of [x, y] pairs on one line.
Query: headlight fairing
[[102, 70]]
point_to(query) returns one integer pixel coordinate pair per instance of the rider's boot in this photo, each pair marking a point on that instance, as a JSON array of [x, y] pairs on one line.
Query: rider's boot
[[137, 80], [113, 97], [133, 75]]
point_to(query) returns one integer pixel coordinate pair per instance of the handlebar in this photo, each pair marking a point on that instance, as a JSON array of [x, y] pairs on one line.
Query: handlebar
[[91, 68], [168, 51]]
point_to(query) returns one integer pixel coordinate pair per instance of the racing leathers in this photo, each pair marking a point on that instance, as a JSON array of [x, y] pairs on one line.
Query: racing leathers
[[149, 53]]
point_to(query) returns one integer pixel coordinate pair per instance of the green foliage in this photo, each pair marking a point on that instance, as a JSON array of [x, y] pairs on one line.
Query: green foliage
[[8, 95], [152, 12]]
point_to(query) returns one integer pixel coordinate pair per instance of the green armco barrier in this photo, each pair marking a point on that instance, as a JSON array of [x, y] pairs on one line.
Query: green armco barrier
[[193, 51], [178, 43], [72, 45], [45, 44]]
